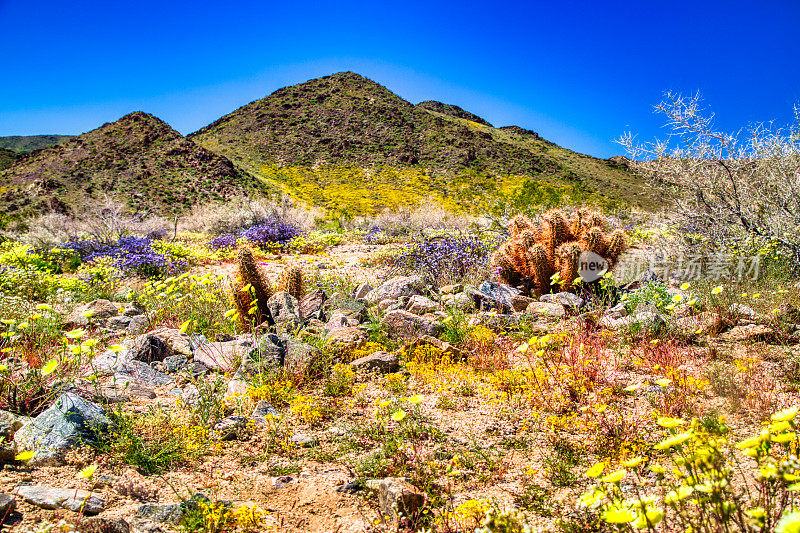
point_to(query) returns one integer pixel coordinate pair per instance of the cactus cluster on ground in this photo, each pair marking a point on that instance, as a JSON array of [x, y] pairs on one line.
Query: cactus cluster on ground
[[539, 256]]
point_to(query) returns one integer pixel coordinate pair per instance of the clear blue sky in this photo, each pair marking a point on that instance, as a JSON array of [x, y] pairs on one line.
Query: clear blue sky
[[579, 73]]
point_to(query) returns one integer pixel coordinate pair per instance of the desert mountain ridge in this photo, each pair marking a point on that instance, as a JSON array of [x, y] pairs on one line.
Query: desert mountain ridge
[[337, 139]]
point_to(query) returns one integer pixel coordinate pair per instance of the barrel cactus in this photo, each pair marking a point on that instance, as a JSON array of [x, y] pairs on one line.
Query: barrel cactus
[[543, 255]]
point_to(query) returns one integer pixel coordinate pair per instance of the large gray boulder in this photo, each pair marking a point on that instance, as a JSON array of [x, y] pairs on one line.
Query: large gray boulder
[[93, 311], [284, 308], [76, 500], [420, 305], [69, 422], [222, 355], [404, 325], [311, 305], [298, 356], [493, 296], [381, 362], [567, 299], [395, 288], [397, 497], [269, 354]]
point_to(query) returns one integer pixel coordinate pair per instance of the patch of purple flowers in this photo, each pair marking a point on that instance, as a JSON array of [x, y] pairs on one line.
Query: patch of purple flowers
[[446, 259], [375, 236], [134, 255], [273, 230]]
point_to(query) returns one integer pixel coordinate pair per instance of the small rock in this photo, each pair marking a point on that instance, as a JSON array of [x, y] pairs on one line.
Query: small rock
[[236, 388], [262, 410], [451, 289], [383, 305], [269, 354], [618, 311], [174, 363], [383, 362], [139, 373], [494, 296], [749, 333], [420, 305], [221, 356], [404, 325], [169, 513], [149, 348], [311, 304], [743, 311], [7, 505], [552, 309], [69, 422], [520, 303], [705, 323], [350, 488], [77, 500], [137, 325], [141, 525], [339, 320], [282, 481], [135, 486], [98, 309], [304, 440], [10, 423], [398, 497], [362, 291], [284, 308], [339, 303], [231, 428], [346, 338], [105, 524], [133, 309], [298, 356], [461, 301], [119, 322], [567, 299], [788, 313]]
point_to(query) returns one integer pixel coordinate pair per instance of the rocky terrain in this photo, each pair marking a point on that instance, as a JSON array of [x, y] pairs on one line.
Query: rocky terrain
[[138, 158], [372, 400]]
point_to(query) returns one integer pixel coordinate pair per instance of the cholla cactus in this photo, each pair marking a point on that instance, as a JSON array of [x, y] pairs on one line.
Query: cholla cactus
[[535, 253], [251, 289]]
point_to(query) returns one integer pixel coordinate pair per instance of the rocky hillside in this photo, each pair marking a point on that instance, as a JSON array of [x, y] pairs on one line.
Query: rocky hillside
[[29, 143], [7, 157], [348, 120], [139, 159]]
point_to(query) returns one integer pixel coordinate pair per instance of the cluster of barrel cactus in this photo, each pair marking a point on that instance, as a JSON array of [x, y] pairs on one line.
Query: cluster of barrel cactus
[[292, 282], [539, 256], [252, 289]]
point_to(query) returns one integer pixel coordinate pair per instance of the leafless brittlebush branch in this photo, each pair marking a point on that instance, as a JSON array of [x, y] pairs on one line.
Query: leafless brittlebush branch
[[743, 185]]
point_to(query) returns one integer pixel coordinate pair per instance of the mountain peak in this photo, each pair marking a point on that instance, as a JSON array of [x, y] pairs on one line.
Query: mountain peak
[[138, 158]]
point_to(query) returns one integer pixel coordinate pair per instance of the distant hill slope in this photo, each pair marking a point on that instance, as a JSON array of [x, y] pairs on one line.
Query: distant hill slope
[[7, 157], [301, 137], [138, 159], [29, 143], [453, 111]]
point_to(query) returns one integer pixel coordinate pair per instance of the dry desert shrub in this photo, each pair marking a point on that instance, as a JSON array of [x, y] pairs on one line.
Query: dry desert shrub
[[244, 212]]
